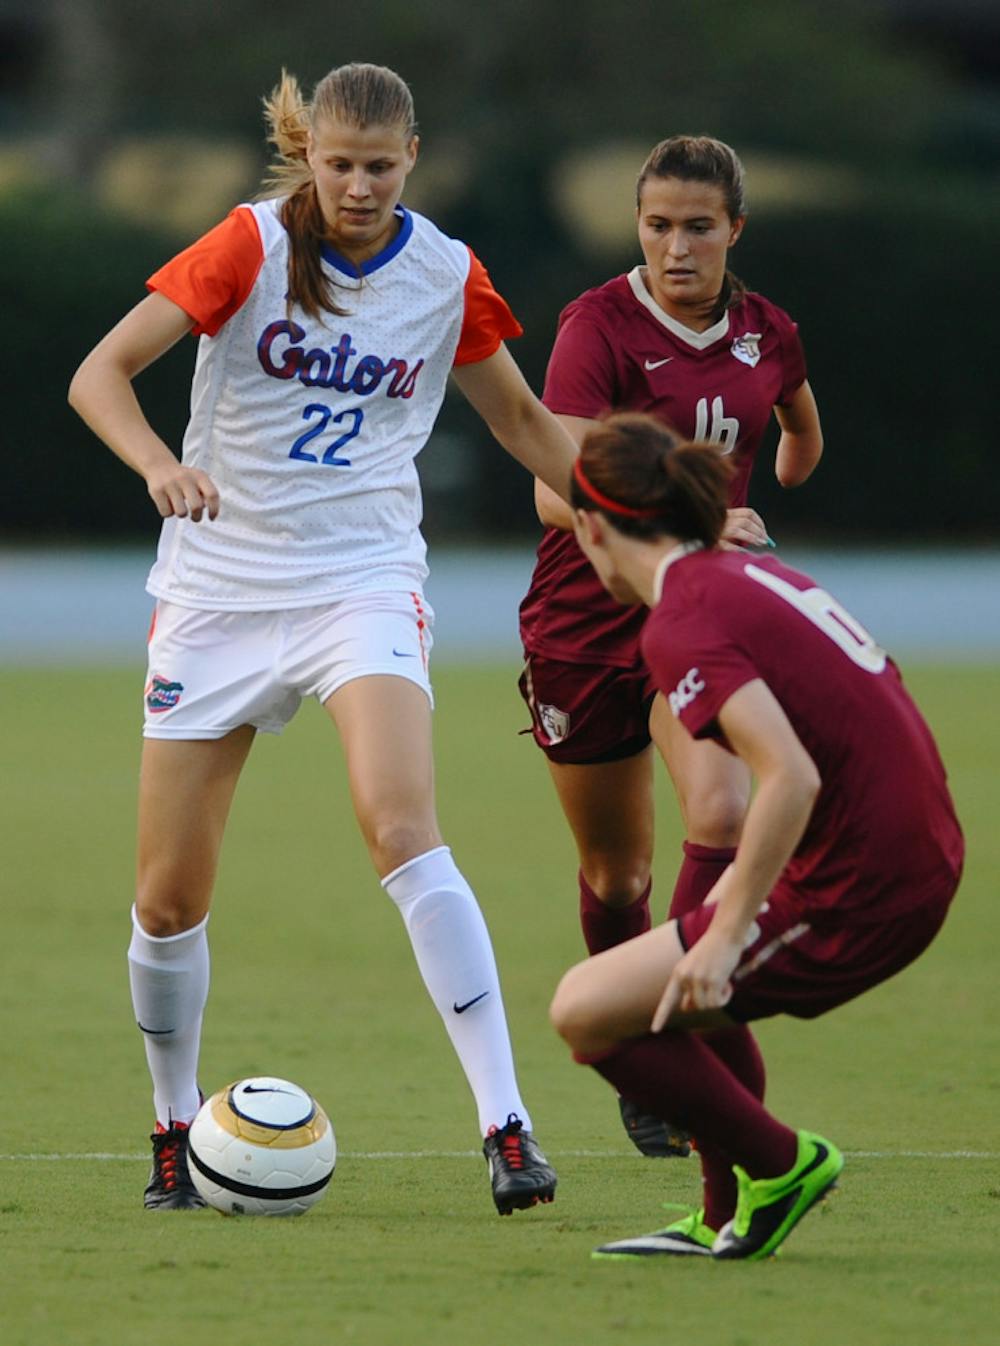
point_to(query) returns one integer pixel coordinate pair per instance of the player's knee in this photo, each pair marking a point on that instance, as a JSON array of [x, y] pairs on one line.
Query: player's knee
[[617, 880], [572, 1012], [164, 908], [394, 841], [161, 920], [715, 816]]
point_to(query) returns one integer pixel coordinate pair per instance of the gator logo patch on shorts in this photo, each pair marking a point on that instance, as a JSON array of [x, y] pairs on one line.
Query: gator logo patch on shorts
[[162, 694], [554, 721]]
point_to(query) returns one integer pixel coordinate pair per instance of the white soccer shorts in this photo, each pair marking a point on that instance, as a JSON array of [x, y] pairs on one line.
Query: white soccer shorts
[[210, 672]]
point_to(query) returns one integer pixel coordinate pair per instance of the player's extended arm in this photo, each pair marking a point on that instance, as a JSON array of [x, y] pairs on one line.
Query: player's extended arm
[[527, 430], [801, 444], [101, 392], [552, 510], [759, 732]]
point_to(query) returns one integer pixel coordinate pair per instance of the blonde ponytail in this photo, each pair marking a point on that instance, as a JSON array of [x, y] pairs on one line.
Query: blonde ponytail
[[288, 119]]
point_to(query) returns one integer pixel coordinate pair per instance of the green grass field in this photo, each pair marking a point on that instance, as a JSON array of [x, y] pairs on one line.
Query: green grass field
[[313, 979]]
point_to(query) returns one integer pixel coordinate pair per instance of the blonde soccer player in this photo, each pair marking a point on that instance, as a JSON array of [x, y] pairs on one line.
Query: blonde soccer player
[[291, 563]]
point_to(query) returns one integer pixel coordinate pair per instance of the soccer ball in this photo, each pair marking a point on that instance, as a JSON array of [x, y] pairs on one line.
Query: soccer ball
[[261, 1146]]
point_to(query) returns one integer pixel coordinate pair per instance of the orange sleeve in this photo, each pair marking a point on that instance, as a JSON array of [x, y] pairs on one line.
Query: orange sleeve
[[487, 322], [211, 279]]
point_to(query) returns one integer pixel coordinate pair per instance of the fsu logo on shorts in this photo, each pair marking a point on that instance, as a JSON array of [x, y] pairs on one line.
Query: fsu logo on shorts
[[555, 722], [162, 694], [747, 348]]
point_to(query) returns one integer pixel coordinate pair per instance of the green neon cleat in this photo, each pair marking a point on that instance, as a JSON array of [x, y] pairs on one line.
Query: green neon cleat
[[684, 1238], [768, 1209]]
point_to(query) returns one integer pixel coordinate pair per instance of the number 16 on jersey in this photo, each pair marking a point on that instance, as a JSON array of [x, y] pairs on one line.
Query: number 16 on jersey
[[724, 430]]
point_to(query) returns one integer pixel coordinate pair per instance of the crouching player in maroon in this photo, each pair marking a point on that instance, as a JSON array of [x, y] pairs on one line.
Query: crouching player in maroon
[[848, 859]]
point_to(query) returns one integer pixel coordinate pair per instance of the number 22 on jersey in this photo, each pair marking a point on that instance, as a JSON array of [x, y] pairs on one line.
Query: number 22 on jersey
[[322, 415]]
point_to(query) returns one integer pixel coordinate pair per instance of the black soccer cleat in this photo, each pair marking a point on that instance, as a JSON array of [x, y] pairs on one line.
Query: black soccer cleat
[[520, 1173], [651, 1136], [170, 1186]]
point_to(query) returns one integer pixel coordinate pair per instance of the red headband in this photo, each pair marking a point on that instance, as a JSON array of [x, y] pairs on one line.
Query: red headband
[[605, 501]]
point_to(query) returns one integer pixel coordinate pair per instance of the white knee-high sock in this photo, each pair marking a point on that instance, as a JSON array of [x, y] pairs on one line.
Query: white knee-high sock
[[169, 979], [455, 957]]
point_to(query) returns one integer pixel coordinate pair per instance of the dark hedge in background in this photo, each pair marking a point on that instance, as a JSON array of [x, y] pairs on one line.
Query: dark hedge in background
[[897, 323]]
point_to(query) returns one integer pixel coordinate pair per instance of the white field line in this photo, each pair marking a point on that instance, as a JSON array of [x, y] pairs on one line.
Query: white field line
[[475, 1154]]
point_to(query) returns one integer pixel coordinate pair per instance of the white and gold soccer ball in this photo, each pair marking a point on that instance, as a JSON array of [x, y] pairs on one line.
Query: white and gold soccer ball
[[261, 1146]]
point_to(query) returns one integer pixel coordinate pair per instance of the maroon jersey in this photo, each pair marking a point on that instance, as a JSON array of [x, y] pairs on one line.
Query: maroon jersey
[[617, 350], [882, 837]]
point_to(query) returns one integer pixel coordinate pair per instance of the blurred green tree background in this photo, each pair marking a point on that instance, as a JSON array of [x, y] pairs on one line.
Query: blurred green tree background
[[870, 132]]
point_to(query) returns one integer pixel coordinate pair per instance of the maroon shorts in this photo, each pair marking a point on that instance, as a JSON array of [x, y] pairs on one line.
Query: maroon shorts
[[793, 967], [587, 713]]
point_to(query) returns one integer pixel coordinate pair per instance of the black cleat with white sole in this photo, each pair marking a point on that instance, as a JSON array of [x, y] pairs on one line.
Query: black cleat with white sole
[[170, 1186], [519, 1172]]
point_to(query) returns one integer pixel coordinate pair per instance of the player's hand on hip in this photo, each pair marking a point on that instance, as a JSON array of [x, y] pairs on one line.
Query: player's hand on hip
[[744, 528], [699, 981], [183, 492]]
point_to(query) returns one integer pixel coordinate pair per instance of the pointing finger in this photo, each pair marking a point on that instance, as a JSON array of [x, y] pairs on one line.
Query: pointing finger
[[668, 1003]]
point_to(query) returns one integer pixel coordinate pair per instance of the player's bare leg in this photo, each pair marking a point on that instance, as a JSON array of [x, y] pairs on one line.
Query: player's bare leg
[[611, 997], [609, 807], [713, 792], [185, 792], [385, 727], [603, 1009], [713, 786]]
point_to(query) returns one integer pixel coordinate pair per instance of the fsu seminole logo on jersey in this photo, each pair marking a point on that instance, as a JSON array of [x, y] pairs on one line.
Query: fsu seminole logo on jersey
[[746, 348], [554, 721]]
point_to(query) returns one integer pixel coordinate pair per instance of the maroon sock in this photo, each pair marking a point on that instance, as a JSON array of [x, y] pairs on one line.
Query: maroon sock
[[737, 1048], [700, 870], [675, 1075], [604, 926]]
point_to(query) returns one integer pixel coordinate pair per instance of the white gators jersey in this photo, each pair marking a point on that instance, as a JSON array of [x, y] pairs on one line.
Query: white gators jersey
[[310, 428]]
